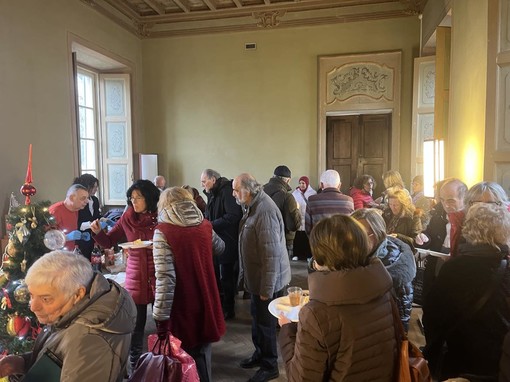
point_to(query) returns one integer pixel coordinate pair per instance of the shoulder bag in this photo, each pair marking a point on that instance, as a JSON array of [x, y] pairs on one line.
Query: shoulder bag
[[411, 366]]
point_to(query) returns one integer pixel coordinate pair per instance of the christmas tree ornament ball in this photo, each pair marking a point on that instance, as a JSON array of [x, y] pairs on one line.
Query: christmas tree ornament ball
[[28, 190], [54, 239], [21, 293]]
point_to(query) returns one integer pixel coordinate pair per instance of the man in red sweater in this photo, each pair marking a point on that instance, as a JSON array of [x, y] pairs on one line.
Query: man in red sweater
[[66, 213]]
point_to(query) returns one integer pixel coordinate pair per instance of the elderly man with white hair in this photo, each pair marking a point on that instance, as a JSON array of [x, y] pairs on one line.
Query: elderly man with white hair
[[330, 201], [87, 321]]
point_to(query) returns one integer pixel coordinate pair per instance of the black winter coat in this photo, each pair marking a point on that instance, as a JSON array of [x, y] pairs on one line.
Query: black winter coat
[[279, 191], [84, 215], [473, 336], [436, 229], [224, 214]]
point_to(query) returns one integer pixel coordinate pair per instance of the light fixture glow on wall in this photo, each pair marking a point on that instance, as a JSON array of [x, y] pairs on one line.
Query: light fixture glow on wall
[[433, 164]]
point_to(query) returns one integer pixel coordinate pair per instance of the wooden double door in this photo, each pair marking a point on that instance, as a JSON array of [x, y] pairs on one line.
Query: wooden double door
[[357, 145]]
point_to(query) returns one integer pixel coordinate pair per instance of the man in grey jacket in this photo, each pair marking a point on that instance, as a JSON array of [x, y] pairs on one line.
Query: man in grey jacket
[[88, 322], [266, 268]]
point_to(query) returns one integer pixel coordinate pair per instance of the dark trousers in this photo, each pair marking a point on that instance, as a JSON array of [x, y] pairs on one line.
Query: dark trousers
[[135, 351], [228, 280], [202, 356], [302, 246], [263, 332]]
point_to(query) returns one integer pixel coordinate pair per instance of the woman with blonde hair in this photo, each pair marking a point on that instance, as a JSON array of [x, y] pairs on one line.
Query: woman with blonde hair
[[401, 217], [187, 301], [392, 181], [346, 331]]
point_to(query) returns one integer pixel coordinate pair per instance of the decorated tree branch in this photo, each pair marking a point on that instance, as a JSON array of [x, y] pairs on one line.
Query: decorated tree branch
[[31, 235]]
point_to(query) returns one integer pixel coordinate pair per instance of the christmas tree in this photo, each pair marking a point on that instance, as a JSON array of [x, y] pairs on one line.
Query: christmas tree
[[30, 236], [27, 226]]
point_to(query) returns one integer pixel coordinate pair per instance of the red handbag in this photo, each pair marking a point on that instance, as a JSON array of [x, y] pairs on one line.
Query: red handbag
[[171, 347], [156, 368]]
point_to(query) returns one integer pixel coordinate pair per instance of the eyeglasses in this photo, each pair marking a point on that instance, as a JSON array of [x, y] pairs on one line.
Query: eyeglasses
[[136, 199], [479, 201]]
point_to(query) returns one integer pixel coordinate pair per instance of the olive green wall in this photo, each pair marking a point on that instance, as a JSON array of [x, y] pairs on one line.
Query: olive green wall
[[198, 101], [210, 103], [35, 90]]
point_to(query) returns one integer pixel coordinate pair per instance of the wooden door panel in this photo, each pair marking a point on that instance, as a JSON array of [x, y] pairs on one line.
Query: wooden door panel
[[342, 148], [374, 147], [357, 145]]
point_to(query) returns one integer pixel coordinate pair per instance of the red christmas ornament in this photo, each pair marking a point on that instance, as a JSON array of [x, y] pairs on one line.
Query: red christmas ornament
[[18, 326], [27, 189]]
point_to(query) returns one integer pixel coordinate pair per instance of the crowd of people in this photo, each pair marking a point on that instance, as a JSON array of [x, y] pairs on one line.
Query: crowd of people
[[361, 251]]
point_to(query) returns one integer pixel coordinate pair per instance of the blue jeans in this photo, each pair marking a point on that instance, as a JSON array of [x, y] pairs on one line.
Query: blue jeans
[[263, 331]]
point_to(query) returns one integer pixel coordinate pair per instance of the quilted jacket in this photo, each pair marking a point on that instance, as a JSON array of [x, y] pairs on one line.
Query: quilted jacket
[[186, 289], [399, 261], [140, 278], [345, 332], [263, 253]]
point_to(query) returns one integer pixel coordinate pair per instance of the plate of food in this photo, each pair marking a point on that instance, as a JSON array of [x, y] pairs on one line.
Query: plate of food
[[282, 305], [136, 244]]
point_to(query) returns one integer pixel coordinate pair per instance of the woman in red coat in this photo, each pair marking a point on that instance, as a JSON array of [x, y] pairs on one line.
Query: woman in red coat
[[362, 190], [136, 223]]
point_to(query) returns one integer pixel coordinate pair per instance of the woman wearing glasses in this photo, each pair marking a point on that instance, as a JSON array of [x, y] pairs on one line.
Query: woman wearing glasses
[[136, 223], [486, 192]]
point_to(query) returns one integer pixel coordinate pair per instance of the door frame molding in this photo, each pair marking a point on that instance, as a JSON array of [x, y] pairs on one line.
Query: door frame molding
[[366, 83]]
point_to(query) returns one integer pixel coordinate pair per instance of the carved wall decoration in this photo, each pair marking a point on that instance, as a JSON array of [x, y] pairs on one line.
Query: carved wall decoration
[[426, 125], [143, 29], [368, 80], [365, 83], [428, 76], [268, 19]]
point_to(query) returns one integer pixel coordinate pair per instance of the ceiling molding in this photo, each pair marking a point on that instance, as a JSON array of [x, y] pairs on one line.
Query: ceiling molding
[[167, 18]]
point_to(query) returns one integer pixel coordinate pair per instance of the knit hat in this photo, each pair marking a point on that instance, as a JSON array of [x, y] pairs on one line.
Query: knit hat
[[306, 180], [282, 171]]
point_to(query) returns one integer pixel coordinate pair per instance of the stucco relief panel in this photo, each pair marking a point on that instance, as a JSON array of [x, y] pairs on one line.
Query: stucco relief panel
[[116, 140], [114, 90], [118, 178], [368, 80], [427, 88], [426, 125], [424, 131]]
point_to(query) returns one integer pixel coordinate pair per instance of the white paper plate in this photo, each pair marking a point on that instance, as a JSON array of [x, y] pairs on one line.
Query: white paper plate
[[291, 312], [132, 244]]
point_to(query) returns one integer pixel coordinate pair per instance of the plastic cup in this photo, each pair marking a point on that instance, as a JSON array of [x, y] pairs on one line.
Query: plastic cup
[[295, 294]]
